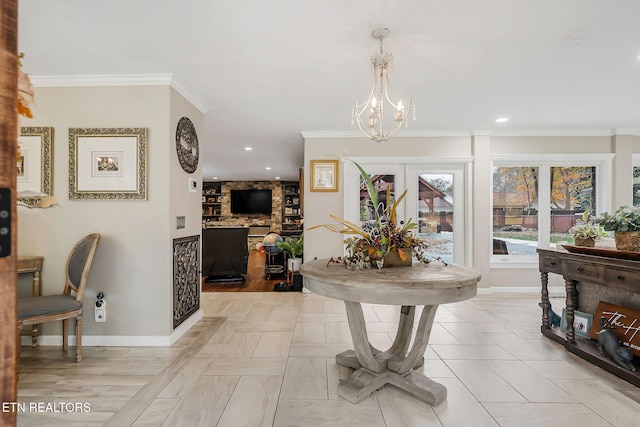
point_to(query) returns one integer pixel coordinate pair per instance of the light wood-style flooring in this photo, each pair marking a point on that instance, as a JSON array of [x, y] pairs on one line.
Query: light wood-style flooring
[[268, 359]]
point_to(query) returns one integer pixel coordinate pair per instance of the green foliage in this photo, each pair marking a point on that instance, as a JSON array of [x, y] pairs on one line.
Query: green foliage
[[441, 184], [294, 246], [624, 218], [382, 235], [587, 229]]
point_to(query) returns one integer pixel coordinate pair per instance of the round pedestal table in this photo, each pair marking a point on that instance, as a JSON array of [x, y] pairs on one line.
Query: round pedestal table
[[425, 285]]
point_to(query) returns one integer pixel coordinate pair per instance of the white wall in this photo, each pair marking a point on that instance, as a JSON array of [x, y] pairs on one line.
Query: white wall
[[133, 263], [321, 243]]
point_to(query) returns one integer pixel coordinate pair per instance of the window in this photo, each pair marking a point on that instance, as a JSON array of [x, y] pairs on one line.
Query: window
[[515, 210], [636, 186], [535, 201]]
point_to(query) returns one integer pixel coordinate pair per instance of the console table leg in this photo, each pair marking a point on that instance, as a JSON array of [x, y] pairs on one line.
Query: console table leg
[[570, 286], [544, 299]]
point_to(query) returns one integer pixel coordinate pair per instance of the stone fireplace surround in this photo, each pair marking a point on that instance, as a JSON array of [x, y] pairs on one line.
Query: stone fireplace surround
[[258, 224]]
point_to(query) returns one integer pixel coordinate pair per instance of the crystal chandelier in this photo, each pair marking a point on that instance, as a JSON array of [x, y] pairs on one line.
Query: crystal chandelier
[[370, 114]]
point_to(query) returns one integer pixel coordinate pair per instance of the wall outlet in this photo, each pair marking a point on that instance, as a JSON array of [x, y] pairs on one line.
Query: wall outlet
[[193, 185], [101, 312]]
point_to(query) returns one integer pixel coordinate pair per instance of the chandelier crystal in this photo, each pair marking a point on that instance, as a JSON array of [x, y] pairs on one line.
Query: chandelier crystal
[[370, 114]]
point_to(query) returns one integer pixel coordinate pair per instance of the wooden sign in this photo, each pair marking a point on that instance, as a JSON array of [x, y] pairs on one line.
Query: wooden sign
[[625, 321]]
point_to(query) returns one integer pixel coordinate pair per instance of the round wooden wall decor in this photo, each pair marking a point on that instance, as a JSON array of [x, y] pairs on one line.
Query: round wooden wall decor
[[187, 145]]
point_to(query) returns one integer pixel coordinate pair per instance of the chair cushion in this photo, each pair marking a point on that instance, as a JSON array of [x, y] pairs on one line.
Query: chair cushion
[[50, 304]]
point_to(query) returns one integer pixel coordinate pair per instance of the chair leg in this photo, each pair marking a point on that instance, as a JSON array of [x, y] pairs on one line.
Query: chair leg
[[65, 334], [78, 339]]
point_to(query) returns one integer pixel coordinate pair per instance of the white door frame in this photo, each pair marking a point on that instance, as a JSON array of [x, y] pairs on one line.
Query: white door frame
[[406, 171]]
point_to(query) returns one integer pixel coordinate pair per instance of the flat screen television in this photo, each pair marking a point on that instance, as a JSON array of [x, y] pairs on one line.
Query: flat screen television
[[251, 202]]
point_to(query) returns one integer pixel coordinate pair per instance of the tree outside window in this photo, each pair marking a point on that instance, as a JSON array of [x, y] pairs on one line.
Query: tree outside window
[[516, 192]]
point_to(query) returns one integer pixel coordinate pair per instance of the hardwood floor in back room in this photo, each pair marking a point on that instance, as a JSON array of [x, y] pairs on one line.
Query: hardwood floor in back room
[[255, 279]]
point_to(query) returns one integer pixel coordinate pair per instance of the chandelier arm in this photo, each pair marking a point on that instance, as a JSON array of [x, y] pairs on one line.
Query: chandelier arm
[[368, 101], [381, 120], [364, 130], [387, 87]]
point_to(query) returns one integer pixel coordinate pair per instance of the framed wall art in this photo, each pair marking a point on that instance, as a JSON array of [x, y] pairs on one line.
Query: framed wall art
[[581, 322], [107, 163], [324, 175], [35, 164]]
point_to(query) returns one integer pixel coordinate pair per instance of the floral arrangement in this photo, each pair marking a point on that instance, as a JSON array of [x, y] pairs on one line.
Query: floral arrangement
[[25, 92], [587, 229], [373, 240]]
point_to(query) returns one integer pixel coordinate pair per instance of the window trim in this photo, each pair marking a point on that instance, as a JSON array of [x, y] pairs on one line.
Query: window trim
[[603, 162]]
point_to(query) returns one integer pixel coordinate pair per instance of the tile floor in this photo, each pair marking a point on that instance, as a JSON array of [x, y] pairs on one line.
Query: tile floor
[[267, 359]]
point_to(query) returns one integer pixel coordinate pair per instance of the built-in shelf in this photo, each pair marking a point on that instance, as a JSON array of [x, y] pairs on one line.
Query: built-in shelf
[[291, 208], [211, 202]]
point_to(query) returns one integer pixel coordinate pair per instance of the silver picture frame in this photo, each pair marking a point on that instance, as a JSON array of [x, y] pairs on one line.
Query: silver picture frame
[[35, 164]]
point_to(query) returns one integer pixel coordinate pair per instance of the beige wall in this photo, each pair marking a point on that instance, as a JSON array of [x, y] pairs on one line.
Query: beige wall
[[133, 264], [321, 243]]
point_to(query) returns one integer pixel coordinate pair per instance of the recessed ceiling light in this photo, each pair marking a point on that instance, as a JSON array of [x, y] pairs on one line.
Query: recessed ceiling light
[[215, 177], [268, 168], [248, 148], [277, 177], [502, 120]]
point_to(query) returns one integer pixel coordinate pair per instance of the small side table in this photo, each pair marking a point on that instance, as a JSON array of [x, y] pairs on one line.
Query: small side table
[[32, 264]]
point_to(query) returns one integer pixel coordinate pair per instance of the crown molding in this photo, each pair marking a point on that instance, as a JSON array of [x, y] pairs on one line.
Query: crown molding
[[555, 132], [550, 158], [403, 134], [627, 131], [185, 91], [495, 133], [122, 80]]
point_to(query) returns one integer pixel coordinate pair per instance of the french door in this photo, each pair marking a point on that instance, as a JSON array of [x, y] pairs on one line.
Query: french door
[[436, 200]]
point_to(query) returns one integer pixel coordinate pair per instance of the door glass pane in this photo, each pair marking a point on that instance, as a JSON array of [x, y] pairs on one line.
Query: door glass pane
[[515, 210], [435, 213], [384, 186], [573, 191]]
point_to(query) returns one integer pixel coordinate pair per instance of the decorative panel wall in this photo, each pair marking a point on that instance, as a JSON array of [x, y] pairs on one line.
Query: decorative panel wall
[[186, 278]]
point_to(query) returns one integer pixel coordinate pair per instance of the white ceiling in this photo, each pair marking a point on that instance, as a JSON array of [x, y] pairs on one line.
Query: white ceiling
[[269, 70]]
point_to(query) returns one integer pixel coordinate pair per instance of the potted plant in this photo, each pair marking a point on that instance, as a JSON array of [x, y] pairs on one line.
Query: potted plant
[[586, 231], [293, 246], [625, 223], [381, 242]]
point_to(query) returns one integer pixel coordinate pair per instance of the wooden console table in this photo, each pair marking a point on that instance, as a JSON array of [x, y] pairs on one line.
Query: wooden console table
[[26, 265], [428, 285], [589, 279]]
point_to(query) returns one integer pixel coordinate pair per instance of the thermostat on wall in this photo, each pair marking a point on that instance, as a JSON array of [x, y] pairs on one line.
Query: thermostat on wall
[[193, 185]]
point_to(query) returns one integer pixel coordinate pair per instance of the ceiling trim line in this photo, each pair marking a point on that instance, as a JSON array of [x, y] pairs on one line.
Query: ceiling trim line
[[556, 132], [405, 134], [496, 133], [162, 79]]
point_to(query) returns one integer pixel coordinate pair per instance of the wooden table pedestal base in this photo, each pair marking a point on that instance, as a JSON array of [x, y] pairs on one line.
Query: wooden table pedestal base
[[395, 366]]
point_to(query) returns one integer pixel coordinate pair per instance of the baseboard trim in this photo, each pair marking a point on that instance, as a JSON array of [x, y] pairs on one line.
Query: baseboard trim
[[185, 326], [120, 340]]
